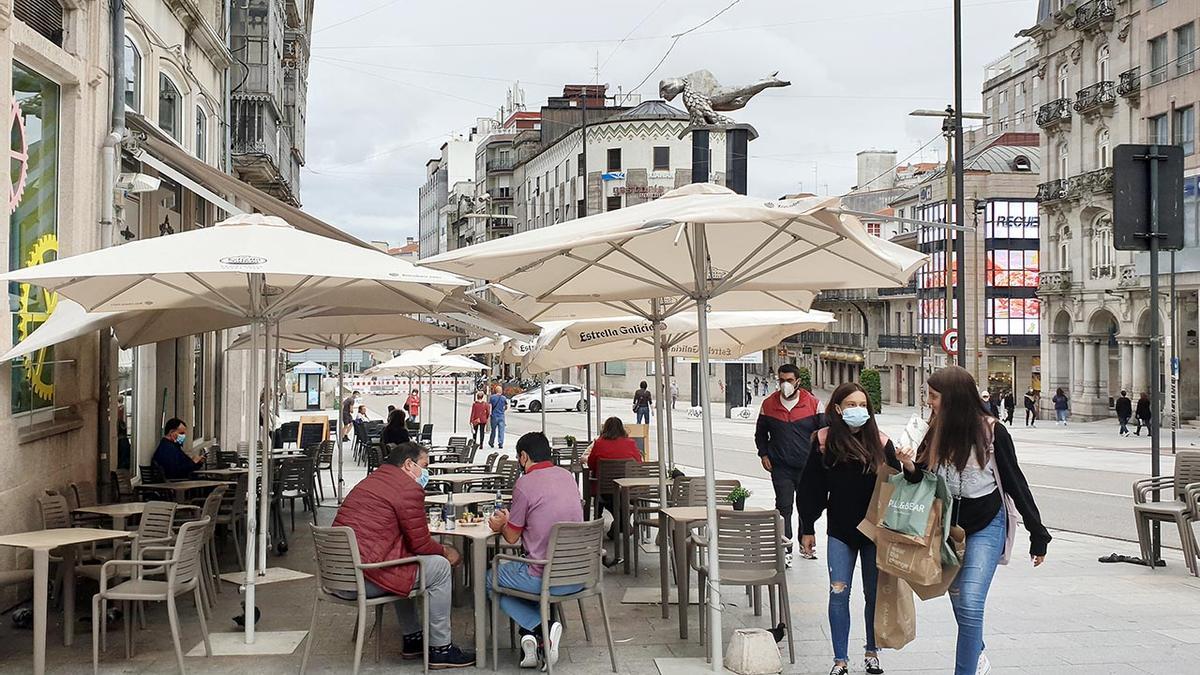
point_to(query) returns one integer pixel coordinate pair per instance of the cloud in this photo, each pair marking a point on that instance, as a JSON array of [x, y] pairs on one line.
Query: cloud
[[376, 113]]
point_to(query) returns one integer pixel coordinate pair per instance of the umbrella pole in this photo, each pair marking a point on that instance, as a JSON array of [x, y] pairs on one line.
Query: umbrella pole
[[599, 420], [716, 643], [338, 425], [252, 487], [542, 390], [587, 396], [264, 504], [455, 403], [659, 438], [669, 407]]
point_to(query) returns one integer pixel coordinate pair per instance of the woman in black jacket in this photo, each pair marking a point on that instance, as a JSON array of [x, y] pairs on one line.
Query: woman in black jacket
[[1144, 413], [395, 431], [839, 477], [975, 454]]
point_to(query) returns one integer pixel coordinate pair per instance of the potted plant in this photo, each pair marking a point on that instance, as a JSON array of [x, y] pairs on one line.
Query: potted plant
[[737, 497], [570, 441]]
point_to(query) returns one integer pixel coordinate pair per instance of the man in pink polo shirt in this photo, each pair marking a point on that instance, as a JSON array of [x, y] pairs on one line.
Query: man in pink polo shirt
[[542, 497]]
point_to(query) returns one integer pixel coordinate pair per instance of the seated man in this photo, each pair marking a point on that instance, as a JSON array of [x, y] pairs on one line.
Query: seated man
[[543, 496], [170, 456], [386, 510]]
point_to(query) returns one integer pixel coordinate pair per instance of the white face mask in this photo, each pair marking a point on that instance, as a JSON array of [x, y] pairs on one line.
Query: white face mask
[[787, 389]]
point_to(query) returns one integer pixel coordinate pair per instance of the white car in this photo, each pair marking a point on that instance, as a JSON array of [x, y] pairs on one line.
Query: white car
[[558, 397]]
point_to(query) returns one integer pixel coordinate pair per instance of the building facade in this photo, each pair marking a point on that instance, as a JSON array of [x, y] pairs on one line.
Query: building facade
[[1113, 73], [454, 165]]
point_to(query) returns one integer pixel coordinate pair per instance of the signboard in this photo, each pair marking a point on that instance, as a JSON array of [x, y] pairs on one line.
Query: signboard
[[652, 191], [1131, 197], [750, 359], [599, 333], [613, 175], [950, 341]]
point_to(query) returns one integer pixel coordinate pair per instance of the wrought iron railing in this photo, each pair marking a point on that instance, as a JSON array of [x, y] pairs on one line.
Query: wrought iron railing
[[897, 341], [1095, 96], [1052, 191], [1058, 110], [1091, 14], [1130, 83]]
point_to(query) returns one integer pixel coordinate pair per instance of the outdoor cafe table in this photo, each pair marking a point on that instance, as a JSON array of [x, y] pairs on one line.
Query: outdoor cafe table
[[625, 541], [118, 512], [453, 467], [478, 535], [459, 481], [41, 542], [681, 518], [461, 498], [182, 487], [223, 473]]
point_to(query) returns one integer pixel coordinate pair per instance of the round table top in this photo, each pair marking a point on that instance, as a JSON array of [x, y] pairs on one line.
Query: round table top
[[462, 498], [478, 530], [123, 509], [462, 477], [690, 513], [62, 536]]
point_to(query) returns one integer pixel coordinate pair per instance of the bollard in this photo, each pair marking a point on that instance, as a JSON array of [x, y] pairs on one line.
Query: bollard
[[752, 651]]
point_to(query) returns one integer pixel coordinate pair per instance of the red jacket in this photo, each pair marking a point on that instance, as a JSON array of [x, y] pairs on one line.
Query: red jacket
[[604, 448], [386, 510], [783, 435], [414, 405], [480, 412]]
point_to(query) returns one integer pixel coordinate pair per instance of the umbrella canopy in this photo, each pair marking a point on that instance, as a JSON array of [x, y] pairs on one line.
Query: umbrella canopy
[[508, 350], [564, 344], [354, 331], [432, 360]]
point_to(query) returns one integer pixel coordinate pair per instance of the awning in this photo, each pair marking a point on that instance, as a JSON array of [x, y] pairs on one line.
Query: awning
[[217, 187]]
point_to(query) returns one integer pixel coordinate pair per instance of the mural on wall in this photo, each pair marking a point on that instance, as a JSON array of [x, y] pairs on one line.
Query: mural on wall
[[33, 226]]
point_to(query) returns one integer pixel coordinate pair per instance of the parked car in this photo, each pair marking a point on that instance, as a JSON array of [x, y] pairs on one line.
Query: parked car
[[558, 397]]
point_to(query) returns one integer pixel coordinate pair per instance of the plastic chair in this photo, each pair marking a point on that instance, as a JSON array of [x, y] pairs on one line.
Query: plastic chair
[[1178, 510], [182, 571], [151, 473], [573, 559], [340, 569], [293, 480], [689, 490], [121, 485], [426, 434], [232, 515], [750, 552], [324, 462]]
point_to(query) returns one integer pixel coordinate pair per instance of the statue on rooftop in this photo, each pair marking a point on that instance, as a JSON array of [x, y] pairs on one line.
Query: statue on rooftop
[[703, 96]]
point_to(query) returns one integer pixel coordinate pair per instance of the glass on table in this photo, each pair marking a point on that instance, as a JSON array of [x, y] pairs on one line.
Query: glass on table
[[435, 518], [486, 510]]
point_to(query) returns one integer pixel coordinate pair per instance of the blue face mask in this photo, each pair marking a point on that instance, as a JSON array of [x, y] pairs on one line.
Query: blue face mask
[[855, 417], [181, 438], [423, 479]]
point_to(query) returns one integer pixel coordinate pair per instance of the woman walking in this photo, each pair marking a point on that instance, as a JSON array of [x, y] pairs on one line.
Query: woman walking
[[1062, 406], [1144, 413], [975, 455], [1030, 408], [839, 477], [480, 412], [641, 403]]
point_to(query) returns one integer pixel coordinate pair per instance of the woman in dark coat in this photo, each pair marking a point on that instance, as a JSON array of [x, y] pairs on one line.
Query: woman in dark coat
[[1144, 413]]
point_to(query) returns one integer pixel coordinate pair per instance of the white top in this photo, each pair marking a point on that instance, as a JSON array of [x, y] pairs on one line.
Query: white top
[[789, 404], [973, 481]]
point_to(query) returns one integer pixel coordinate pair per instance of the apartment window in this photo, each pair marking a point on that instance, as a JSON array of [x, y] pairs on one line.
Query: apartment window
[[201, 135], [612, 204], [556, 175], [662, 158], [1102, 72], [170, 107], [873, 228], [987, 104], [1185, 48], [1103, 149], [1158, 130], [580, 209], [1064, 164], [579, 164], [1185, 129], [614, 159], [1064, 81], [1158, 59], [133, 76]]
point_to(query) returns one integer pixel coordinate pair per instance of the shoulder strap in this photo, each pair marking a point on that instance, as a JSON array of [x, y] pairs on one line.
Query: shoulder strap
[[822, 434], [883, 439]]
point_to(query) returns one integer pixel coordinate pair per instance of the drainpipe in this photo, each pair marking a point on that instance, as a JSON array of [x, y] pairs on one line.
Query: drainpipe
[[228, 109], [109, 157]]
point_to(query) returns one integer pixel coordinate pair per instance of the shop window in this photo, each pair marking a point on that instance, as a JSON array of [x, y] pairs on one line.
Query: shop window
[[201, 135], [613, 203], [133, 76], [170, 105], [33, 227], [614, 367]]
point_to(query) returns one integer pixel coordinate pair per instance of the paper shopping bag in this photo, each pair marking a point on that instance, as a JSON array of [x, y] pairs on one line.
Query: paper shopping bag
[[958, 544], [895, 613], [879, 500], [915, 559]]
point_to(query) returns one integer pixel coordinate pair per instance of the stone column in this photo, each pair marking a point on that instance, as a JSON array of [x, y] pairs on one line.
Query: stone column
[[1091, 381], [1077, 367], [1141, 368], [1126, 365]]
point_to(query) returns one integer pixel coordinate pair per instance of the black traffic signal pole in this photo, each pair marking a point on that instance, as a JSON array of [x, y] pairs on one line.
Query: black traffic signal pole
[[960, 242], [1154, 237]]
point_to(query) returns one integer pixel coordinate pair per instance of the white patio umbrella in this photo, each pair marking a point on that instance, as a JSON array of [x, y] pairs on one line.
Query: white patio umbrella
[[254, 267], [701, 246], [428, 362]]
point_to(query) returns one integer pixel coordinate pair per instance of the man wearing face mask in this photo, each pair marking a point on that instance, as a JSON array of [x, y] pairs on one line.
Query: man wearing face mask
[[170, 456], [386, 510], [786, 423]]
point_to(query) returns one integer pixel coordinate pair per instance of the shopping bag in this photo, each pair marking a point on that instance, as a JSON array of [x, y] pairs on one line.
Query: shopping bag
[[914, 432], [957, 543], [895, 612], [879, 500], [911, 504], [913, 558]]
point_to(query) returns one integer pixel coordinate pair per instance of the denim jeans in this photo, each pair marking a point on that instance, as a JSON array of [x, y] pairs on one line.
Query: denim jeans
[[518, 577], [1061, 415], [497, 425], [968, 593], [643, 414], [841, 573], [1124, 420]]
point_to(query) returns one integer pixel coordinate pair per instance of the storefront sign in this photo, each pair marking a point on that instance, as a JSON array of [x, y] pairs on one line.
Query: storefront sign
[[600, 333], [715, 355], [652, 191], [613, 175]]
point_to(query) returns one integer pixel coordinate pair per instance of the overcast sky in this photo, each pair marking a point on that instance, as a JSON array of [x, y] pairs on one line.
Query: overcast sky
[[391, 79]]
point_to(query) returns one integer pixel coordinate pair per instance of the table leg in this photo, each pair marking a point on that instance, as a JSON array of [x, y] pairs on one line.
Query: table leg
[[119, 523], [683, 575], [478, 575], [622, 528], [68, 563], [41, 592], [664, 568]]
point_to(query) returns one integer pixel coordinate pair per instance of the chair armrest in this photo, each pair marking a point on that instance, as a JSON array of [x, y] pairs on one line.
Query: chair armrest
[[128, 563], [1192, 496], [1143, 487], [389, 563]]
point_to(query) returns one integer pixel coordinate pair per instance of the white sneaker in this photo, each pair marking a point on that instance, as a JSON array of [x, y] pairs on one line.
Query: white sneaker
[[552, 643], [787, 560], [529, 651], [984, 667]]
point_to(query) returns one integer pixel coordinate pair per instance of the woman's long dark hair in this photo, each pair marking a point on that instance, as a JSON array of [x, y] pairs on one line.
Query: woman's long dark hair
[[613, 429], [395, 421], [842, 444], [960, 423]]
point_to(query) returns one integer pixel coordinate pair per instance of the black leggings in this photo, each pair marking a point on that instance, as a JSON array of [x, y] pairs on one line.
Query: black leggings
[[1030, 416], [478, 431]]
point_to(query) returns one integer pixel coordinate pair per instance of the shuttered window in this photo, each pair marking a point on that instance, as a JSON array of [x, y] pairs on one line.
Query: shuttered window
[[44, 16]]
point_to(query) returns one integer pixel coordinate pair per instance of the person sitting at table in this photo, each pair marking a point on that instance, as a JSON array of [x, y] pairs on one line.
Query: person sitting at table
[[386, 510], [170, 456], [614, 443], [361, 414], [395, 431], [543, 496]]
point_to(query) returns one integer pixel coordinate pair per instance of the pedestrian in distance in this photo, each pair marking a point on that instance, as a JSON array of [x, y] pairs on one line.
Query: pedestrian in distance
[[1030, 408], [641, 403], [414, 404], [480, 412], [783, 434], [839, 479], [674, 393], [974, 453], [989, 403], [348, 414], [1124, 409], [499, 407], [1009, 404], [756, 384], [1144, 413], [1062, 406]]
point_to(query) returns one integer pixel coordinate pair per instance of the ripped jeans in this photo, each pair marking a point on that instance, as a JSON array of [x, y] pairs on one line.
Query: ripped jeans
[[968, 593], [841, 558]]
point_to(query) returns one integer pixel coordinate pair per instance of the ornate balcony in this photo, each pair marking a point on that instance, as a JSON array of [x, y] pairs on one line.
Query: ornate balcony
[[1100, 181], [910, 289], [1130, 85], [1097, 96], [1092, 14], [501, 164], [1055, 282], [898, 342], [1053, 113], [1077, 186], [1127, 276], [1052, 191]]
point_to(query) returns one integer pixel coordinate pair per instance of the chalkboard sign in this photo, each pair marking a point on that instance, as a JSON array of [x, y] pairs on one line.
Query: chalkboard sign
[[313, 430]]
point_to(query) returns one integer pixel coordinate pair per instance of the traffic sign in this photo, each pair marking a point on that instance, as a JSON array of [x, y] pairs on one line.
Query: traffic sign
[[950, 341]]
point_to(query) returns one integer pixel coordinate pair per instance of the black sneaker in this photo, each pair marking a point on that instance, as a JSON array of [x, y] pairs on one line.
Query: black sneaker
[[414, 646], [871, 665], [450, 656], [839, 669]]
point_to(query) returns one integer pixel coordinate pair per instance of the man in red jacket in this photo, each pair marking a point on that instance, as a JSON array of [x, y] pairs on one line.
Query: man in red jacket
[[386, 510]]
